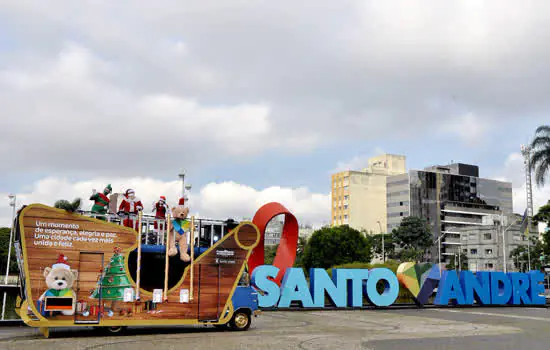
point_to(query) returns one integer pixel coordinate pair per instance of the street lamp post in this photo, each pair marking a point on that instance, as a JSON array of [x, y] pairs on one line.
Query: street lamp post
[[383, 244], [13, 199]]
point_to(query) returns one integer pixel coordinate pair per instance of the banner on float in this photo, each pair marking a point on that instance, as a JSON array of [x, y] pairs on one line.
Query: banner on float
[[380, 286]]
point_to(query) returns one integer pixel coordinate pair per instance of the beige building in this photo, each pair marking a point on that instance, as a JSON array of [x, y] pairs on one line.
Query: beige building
[[359, 197]]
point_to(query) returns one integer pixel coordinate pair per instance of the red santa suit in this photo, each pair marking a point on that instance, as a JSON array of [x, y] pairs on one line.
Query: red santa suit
[[160, 208], [130, 205]]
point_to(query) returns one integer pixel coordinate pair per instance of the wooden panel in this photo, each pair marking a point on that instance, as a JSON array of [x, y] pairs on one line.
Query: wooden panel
[[87, 282], [208, 292]]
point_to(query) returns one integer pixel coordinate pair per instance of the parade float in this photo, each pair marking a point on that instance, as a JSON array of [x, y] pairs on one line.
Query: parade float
[[115, 266]]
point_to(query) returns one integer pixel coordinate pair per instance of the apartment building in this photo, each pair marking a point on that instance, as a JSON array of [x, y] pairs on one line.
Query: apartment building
[[450, 198], [359, 197]]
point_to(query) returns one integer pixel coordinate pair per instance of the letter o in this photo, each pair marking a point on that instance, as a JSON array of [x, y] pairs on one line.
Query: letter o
[[391, 287]]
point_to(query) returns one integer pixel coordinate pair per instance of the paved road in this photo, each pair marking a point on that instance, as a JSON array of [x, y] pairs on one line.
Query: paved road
[[426, 329]]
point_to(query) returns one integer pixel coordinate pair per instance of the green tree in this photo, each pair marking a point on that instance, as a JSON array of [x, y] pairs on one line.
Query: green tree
[[543, 214], [540, 156], [452, 265], [4, 244], [114, 280], [411, 254], [520, 256], [269, 254], [300, 251], [389, 246], [337, 245], [413, 232]]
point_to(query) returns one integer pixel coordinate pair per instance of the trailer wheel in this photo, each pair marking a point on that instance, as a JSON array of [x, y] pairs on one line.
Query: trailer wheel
[[240, 321], [115, 329]]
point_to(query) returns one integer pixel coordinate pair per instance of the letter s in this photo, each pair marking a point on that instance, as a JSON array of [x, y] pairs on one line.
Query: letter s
[[261, 281]]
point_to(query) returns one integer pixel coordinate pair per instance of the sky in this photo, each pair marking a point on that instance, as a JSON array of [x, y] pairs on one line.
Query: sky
[[261, 101]]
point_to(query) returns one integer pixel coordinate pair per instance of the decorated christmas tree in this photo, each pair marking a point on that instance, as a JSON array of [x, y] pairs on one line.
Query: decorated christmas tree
[[113, 280]]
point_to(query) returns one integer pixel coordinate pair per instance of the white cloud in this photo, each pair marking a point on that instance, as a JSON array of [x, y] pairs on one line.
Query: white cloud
[[214, 200], [470, 128], [514, 172], [239, 78], [357, 163]]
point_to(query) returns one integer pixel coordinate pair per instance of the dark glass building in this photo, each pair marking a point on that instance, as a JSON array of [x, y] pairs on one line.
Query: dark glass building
[[450, 198]]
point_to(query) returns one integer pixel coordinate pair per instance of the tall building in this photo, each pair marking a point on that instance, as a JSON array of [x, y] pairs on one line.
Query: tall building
[[359, 197], [450, 198], [274, 230]]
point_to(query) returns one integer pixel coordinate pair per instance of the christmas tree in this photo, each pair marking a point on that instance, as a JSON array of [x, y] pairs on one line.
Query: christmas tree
[[114, 279]]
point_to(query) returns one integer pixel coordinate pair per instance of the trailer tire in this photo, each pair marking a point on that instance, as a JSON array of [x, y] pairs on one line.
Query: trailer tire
[[116, 329], [241, 320]]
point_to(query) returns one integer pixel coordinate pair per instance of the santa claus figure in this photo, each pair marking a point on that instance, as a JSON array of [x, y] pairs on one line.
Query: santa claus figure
[[130, 206], [160, 208]]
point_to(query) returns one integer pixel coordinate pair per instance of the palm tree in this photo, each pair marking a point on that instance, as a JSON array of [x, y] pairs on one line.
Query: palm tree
[[540, 156]]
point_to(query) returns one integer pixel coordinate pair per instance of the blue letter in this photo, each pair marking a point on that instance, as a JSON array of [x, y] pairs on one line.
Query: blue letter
[[260, 279], [449, 289], [391, 287], [520, 286], [480, 284], [320, 282], [294, 287], [500, 296], [354, 284], [535, 288]]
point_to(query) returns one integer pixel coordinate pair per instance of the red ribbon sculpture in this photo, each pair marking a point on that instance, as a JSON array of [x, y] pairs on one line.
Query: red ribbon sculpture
[[286, 253]]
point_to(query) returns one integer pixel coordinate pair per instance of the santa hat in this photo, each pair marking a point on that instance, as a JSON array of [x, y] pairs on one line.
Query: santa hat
[[129, 191], [61, 263], [162, 198], [182, 200]]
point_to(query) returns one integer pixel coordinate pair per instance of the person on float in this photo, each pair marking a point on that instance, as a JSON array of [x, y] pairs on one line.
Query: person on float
[[101, 202], [161, 209], [130, 206]]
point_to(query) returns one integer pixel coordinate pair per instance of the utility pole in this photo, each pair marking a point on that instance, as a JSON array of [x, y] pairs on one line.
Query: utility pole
[[13, 200], [383, 245], [526, 152]]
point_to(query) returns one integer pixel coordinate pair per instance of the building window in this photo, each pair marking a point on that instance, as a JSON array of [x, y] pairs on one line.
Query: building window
[[472, 236], [473, 251], [346, 207], [401, 214], [487, 236], [401, 204], [464, 237], [346, 197], [465, 251], [488, 252], [345, 217], [346, 188]]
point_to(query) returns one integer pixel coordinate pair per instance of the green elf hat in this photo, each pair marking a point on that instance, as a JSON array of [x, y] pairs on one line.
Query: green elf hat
[[108, 187]]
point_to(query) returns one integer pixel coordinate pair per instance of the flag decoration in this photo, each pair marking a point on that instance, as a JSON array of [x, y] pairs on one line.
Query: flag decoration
[[524, 229]]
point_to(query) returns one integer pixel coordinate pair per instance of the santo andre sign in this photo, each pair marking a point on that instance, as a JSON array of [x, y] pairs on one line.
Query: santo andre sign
[[381, 286]]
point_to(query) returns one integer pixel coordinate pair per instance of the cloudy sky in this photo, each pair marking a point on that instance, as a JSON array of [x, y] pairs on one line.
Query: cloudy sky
[[259, 100]]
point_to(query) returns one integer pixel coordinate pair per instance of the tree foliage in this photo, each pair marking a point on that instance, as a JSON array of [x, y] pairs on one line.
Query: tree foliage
[[269, 254], [540, 156], [337, 245], [413, 232], [520, 256], [4, 243], [68, 206], [389, 246], [543, 214]]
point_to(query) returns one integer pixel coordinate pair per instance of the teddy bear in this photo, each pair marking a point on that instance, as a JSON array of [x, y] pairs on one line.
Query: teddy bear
[[60, 279], [178, 232]]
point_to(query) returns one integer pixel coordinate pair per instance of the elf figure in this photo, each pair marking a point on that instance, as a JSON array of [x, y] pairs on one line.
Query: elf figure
[[130, 206], [101, 201]]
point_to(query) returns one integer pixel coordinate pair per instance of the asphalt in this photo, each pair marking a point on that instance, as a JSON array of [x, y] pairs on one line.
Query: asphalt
[[447, 328]]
